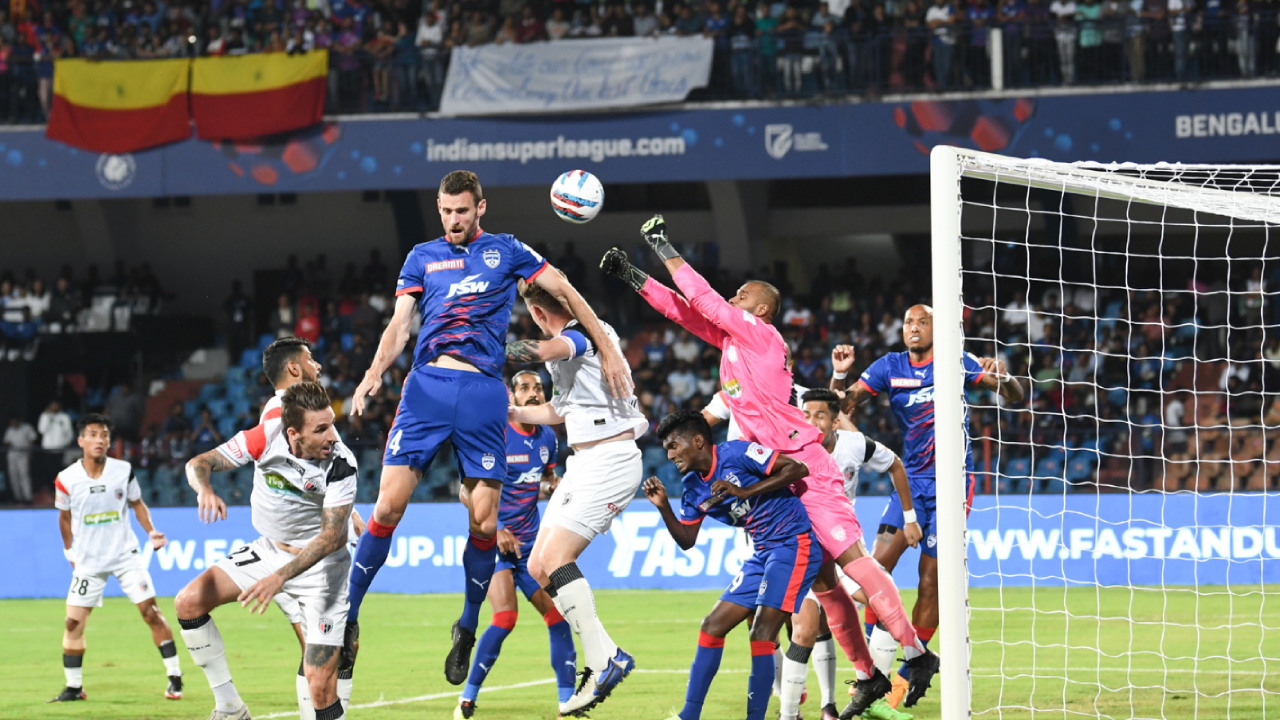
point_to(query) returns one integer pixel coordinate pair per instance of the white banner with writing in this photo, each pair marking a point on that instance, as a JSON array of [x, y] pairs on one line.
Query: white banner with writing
[[574, 75]]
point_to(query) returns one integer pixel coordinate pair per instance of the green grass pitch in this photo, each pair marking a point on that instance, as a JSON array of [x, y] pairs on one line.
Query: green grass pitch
[[1051, 659]]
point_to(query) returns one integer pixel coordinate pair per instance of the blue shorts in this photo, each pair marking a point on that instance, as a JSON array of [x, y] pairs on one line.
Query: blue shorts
[[926, 507], [779, 577], [468, 408], [519, 567]]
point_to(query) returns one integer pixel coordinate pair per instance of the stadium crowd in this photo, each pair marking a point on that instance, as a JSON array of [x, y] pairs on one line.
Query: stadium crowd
[[392, 55], [1119, 381]]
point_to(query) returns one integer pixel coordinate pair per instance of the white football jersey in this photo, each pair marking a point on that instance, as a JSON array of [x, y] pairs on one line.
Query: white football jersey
[[102, 536], [853, 451], [581, 395], [290, 493], [719, 408]]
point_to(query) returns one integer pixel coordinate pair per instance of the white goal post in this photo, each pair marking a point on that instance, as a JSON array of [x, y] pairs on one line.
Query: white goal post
[[1143, 217]]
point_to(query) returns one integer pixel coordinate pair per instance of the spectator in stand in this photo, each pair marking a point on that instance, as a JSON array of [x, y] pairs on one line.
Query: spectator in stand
[[790, 38], [430, 41], [682, 382], [685, 348], [507, 32], [941, 21], [5, 65], [480, 31], [205, 436], [1064, 35], [687, 23], [742, 41], [56, 434], [404, 91], [617, 23], [645, 23], [19, 438], [981, 17], [1180, 17], [557, 28], [308, 325], [531, 28], [126, 409], [1041, 55], [717, 27], [655, 351], [239, 315], [176, 423]]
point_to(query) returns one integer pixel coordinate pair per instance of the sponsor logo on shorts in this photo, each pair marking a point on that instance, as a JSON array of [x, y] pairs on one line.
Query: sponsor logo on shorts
[[326, 625], [439, 265], [102, 518], [491, 258], [488, 461], [905, 382], [522, 458], [544, 453], [142, 586], [567, 498], [837, 532], [614, 509]]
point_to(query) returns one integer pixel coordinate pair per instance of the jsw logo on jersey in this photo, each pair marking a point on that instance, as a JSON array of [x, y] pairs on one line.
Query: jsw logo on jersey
[[468, 286], [529, 476], [920, 397]]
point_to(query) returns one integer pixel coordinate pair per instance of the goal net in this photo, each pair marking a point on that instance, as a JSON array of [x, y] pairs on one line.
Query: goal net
[[1121, 556]]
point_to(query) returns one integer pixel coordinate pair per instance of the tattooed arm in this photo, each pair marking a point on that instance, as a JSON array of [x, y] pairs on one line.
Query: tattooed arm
[[528, 351], [199, 468], [332, 537]]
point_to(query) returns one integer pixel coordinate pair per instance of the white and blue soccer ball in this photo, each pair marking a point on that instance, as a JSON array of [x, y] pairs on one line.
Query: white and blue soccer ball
[[577, 196]]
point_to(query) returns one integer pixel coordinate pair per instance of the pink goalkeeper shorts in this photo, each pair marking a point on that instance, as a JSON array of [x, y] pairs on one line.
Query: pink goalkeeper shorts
[[822, 492]]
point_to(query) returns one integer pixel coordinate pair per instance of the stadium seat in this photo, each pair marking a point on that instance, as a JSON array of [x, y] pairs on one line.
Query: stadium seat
[[1080, 470], [237, 376], [219, 408], [264, 340], [227, 426], [237, 391], [1049, 475], [1017, 472], [240, 408], [211, 391], [191, 408], [251, 359], [348, 342]]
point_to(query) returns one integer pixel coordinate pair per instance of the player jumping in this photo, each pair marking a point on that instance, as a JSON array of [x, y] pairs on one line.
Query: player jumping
[[92, 495], [304, 484], [463, 286], [600, 479], [908, 379], [757, 386], [286, 362], [746, 485], [531, 461]]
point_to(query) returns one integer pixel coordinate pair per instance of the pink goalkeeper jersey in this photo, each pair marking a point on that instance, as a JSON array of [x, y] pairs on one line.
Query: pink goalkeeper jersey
[[753, 364]]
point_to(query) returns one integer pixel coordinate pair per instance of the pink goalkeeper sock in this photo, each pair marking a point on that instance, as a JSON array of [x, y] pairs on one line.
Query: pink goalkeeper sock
[[842, 616], [882, 596]]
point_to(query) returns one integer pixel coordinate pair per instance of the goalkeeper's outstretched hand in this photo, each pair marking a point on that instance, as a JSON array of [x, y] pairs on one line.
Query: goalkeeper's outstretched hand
[[655, 233], [615, 263]]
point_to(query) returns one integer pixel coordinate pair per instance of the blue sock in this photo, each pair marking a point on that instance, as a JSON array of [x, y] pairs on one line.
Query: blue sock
[[903, 671], [487, 652], [705, 664], [371, 553], [760, 684], [870, 627], [564, 659], [478, 561]]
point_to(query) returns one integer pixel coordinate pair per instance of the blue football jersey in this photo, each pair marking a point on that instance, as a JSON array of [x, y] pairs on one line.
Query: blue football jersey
[[527, 455], [910, 389], [467, 293], [769, 519]]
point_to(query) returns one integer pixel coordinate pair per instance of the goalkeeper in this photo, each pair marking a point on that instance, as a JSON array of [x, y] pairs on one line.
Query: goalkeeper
[[907, 377]]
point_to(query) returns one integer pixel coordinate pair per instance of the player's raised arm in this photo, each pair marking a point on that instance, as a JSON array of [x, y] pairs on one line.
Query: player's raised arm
[[996, 377], [784, 472], [544, 414], [662, 298], [841, 363], [390, 346], [684, 533], [527, 351], [616, 371]]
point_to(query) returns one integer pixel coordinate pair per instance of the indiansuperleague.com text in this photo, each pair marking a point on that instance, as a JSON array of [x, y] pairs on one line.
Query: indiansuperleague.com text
[[595, 150]]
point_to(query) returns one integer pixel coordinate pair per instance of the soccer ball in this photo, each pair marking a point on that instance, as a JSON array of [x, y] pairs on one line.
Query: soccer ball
[[577, 196]]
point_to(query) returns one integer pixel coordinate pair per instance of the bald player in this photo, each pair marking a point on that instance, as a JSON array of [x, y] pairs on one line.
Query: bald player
[[907, 378]]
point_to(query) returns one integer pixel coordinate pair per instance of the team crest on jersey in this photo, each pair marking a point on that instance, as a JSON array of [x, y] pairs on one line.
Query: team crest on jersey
[[326, 625], [488, 461], [544, 453], [764, 586], [119, 494], [491, 258], [837, 532], [932, 541]]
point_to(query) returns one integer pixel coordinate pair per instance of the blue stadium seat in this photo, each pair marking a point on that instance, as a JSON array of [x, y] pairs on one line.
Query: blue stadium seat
[[1050, 474], [240, 407], [348, 342], [227, 426], [264, 340], [211, 391], [191, 408], [1080, 469], [219, 408], [1013, 481], [237, 376], [236, 391], [251, 359]]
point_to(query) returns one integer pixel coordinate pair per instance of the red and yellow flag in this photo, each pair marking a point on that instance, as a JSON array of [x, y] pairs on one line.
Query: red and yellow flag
[[249, 96], [119, 107]]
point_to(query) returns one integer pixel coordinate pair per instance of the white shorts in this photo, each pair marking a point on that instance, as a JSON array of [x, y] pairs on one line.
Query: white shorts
[[86, 587], [290, 608], [320, 591], [598, 484]]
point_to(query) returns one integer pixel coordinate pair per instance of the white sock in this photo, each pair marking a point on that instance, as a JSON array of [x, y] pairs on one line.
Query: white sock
[[778, 659], [795, 667], [169, 654], [882, 647], [75, 675], [204, 642], [577, 604], [344, 690], [306, 710], [824, 664]]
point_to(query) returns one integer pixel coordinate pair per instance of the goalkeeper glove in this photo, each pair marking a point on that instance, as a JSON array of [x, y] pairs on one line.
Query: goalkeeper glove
[[615, 263], [655, 233]]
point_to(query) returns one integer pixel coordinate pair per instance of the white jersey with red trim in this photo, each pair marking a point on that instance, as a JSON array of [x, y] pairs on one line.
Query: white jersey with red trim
[[290, 493], [854, 450], [272, 408], [102, 535]]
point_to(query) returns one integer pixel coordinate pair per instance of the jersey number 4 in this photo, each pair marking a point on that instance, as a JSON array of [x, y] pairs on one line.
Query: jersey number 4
[[395, 442]]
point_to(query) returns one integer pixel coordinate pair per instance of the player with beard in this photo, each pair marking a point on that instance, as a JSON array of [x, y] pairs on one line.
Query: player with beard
[[286, 362], [531, 476], [757, 386], [462, 287], [907, 378]]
